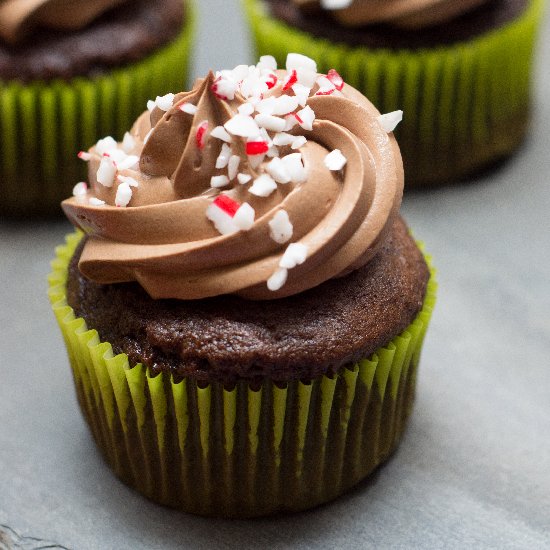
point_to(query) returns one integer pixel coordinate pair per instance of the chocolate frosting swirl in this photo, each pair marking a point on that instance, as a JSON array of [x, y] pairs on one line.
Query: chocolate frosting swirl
[[18, 18], [402, 13], [164, 240]]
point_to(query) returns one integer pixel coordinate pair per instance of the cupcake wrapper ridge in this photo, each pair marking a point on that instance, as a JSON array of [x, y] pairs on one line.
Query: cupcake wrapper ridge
[[465, 105], [240, 452], [45, 124]]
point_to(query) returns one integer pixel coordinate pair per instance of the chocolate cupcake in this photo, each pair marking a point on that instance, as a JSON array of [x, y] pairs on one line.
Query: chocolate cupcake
[[71, 72], [460, 70], [243, 307]]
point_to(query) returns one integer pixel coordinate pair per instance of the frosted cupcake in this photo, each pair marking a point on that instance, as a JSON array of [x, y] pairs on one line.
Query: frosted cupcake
[[245, 308], [72, 72], [460, 70]]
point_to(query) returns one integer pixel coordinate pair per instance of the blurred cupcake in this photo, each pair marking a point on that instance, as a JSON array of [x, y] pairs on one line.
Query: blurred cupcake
[[71, 72], [461, 71], [245, 313]]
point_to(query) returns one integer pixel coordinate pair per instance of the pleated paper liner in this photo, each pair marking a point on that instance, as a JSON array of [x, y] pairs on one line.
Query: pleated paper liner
[[465, 106], [44, 125], [240, 453]]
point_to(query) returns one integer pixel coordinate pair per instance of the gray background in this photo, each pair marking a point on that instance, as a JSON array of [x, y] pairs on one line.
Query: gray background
[[474, 467]]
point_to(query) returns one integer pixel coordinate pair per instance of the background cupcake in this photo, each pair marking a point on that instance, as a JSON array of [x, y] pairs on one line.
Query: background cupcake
[[461, 71], [71, 72], [245, 316]]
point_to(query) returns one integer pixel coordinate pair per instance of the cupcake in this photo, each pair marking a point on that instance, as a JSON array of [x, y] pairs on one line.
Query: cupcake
[[243, 306], [460, 70], [72, 72]]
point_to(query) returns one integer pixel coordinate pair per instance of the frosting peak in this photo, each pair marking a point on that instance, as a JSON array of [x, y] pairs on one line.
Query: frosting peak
[[19, 17], [258, 182], [403, 13]]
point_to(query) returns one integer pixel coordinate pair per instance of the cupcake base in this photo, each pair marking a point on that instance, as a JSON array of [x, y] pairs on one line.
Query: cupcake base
[[466, 105], [239, 452], [45, 124]]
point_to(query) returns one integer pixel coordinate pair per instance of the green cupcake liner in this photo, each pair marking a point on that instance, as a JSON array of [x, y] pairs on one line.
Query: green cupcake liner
[[465, 106], [239, 452], [43, 125]]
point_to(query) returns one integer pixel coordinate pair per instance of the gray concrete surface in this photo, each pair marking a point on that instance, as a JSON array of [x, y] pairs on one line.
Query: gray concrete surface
[[474, 468]]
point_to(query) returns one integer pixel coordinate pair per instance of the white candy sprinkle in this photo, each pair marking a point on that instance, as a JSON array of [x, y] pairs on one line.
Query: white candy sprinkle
[[290, 121], [336, 4], [80, 190], [223, 160], [127, 179], [285, 104], [307, 116], [267, 63], [123, 195], [295, 254], [165, 102], [128, 143], [306, 77], [243, 178], [295, 168], [335, 160], [266, 106], [302, 93], [242, 125], [117, 155], [239, 73], [299, 61], [277, 280], [233, 166], [270, 122], [389, 121], [277, 170], [188, 108], [219, 181], [244, 217], [151, 105], [130, 161], [300, 141], [105, 145], [280, 227], [220, 132], [283, 139], [246, 109], [96, 202], [263, 186], [106, 172]]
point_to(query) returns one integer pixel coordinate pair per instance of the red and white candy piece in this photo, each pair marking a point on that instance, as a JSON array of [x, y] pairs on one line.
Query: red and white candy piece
[[86, 157], [129, 180], [290, 80], [285, 104], [336, 79], [389, 121], [302, 93], [105, 145], [326, 87], [280, 227], [107, 171], [229, 216], [263, 186], [335, 160], [256, 147], [130, 161], [224, 87], [305, 118], [123, 195], [200, 137]]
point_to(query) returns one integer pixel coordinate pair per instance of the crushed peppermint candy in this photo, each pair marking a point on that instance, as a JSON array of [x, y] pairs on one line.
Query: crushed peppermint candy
[[123, 195], [219, 181], [243, 179], [228, 216], [165, 102], [80, 190], [280, 227], [219, 132], [298, 142], [335, 160], [270, 122], [128, 143], [107, 171], [305, 118], [233, 166], [129, 180], [299, 61], [86, 157], [277, 280], [105, 145], [263, 186], [246, 109], [295, 254], [278, 171], [96, 202], [202, 128], [293, 164], [223, 159], [188, 108], [257, 148], [243, 126], [389, 121], [336, 79]]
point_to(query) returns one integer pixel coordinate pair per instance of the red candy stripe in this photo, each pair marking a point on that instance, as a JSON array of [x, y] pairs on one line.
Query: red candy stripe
[[291, 80], [271, 81], [227, 204], [336, 79], [256, 147], [201, 131]]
